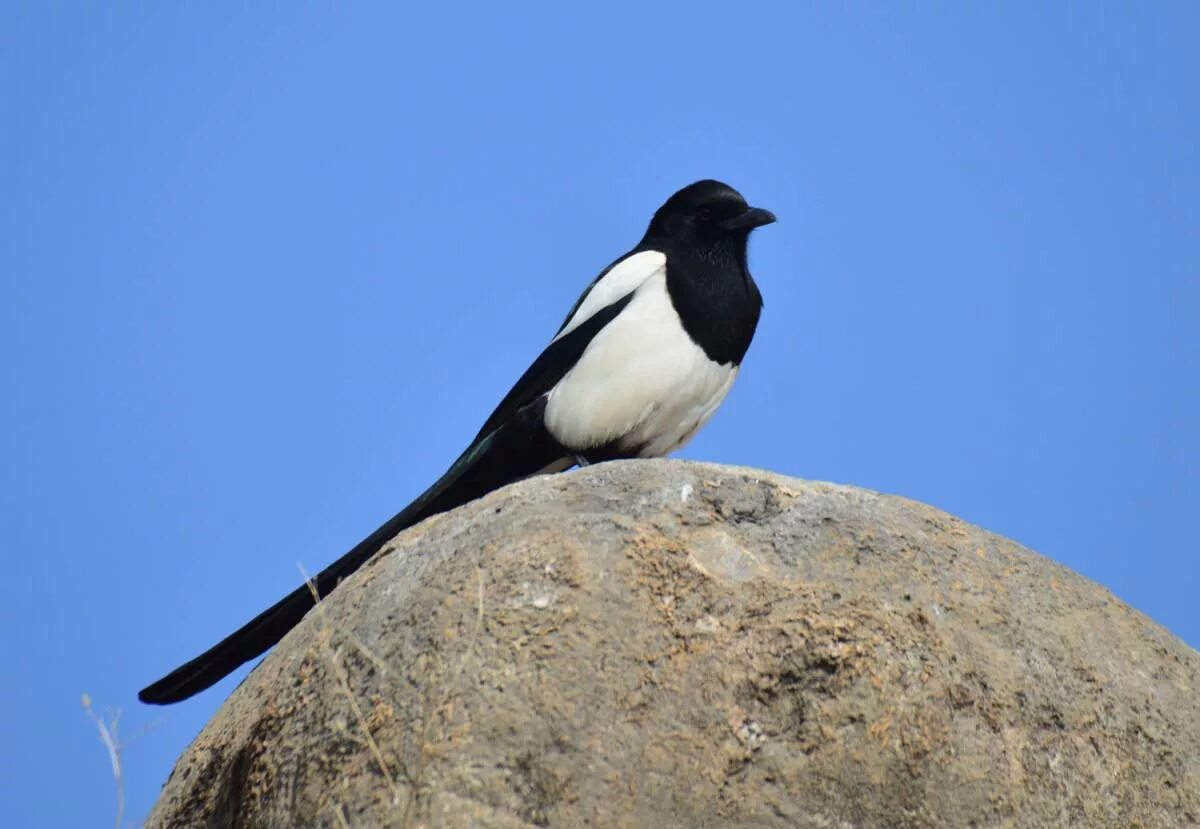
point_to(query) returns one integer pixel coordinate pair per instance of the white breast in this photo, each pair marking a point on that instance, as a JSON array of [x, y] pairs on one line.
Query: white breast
[[641, 382]]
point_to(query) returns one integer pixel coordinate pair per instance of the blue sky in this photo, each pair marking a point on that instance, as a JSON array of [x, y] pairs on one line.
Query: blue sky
[[267, 268]]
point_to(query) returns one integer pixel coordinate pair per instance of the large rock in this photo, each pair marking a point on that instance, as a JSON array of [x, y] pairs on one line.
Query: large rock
[[657, 643]]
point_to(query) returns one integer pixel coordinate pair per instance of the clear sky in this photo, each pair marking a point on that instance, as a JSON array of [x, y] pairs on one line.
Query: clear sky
[[266, 269]]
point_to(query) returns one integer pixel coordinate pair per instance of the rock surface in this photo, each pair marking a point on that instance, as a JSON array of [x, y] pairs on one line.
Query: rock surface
[[659, 643]]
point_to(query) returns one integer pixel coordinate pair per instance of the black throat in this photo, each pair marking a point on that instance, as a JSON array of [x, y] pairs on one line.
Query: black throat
[[714, 295]]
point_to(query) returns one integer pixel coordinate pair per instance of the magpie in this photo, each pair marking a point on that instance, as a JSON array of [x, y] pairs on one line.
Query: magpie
[[642, 360]]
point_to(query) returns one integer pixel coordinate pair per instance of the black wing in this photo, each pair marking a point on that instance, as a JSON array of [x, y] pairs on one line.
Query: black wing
[[512, 445], [553, 363]]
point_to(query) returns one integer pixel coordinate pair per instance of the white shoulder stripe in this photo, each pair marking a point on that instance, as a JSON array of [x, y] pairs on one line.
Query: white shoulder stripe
[[621, 279]]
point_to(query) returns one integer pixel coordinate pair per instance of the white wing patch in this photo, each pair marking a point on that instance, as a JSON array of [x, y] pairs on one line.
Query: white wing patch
[[641, 381], [621, 279]]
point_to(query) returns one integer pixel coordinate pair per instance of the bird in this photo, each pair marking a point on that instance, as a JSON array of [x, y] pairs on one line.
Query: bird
[[642, 360]]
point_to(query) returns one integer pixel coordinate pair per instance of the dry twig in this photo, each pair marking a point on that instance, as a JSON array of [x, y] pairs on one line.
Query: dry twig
[[326, 636], [108, 736]]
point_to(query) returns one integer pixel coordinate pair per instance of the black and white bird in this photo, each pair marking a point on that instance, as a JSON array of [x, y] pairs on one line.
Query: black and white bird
[[640, 363]]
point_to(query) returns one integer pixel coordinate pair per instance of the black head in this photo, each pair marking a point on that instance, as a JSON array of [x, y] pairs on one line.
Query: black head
[[707, 214]]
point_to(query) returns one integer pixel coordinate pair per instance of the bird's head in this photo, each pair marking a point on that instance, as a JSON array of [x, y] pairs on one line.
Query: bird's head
[[707, 214]]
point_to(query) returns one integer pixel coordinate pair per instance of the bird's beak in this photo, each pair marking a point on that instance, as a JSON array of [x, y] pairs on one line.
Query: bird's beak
[[752, 218]]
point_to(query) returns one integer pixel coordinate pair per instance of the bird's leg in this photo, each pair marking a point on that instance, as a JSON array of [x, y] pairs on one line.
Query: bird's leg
[[581, 461]]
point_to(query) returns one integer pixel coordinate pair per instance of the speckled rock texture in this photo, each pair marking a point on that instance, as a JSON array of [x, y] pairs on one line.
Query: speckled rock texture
[[660, 643]]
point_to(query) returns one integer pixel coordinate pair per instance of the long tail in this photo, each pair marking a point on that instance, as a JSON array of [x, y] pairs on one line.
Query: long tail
[[517, 449]]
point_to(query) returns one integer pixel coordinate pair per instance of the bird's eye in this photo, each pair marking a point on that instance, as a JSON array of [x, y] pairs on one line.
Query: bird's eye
[[705, 213]]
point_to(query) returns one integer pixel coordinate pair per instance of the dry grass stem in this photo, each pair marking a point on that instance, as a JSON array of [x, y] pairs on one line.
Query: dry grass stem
[[108, 736], [344, 682]]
